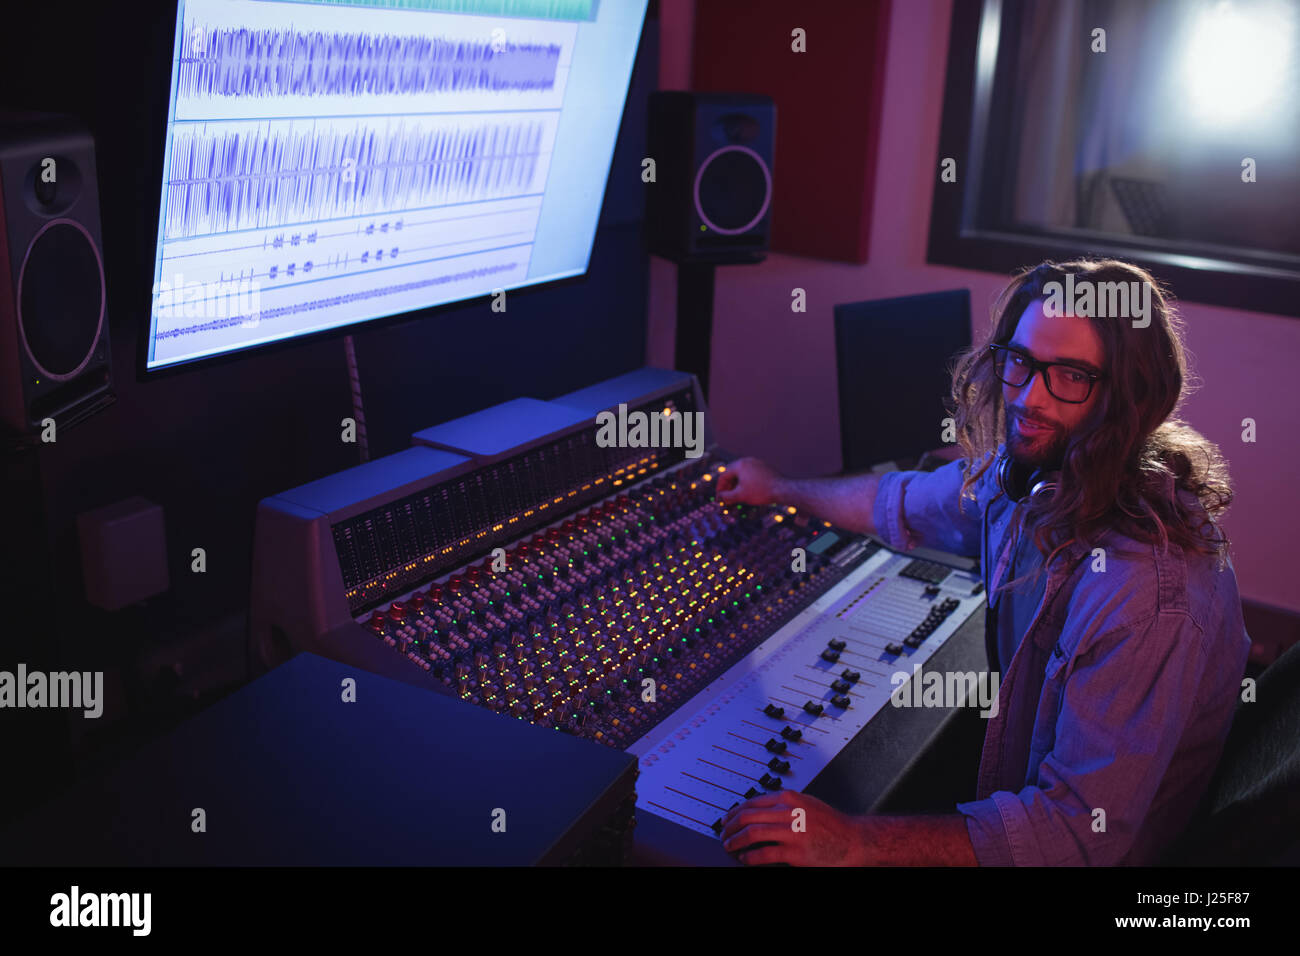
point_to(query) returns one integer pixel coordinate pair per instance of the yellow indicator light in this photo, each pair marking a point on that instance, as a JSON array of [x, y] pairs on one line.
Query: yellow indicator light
[[790, 509]]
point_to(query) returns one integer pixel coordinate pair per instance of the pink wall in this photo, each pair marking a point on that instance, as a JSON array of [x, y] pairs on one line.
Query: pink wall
[[779, 402]]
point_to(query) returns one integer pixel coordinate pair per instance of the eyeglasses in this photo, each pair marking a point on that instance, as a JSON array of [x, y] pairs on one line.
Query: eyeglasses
[[1066, 383]]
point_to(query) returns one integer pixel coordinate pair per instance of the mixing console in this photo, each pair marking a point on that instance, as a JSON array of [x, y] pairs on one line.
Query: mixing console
[[780, 716], [515, 560], [604, 623]]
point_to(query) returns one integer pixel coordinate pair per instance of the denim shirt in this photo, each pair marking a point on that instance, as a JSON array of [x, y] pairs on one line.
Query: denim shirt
[[1113, 711]]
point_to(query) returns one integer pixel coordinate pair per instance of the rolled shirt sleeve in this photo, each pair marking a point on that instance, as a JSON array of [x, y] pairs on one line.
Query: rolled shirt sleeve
[[925, 508], [1124, 707]]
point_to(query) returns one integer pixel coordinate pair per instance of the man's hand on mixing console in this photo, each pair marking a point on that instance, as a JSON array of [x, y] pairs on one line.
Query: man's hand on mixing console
[[794, 828], [748, 481], [844, 500]]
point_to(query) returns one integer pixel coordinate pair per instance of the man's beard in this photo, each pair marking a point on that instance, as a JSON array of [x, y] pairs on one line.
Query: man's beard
[[1045, 452]]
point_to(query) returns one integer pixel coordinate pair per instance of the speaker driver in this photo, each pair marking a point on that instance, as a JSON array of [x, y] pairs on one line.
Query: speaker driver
[[61, 299], [733, 189]]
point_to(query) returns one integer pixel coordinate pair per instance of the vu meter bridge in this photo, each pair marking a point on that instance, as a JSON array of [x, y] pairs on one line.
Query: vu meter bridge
[[510, 560]]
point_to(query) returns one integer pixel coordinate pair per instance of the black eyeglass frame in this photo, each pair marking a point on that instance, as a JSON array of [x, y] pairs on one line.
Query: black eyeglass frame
[[1036, 367]]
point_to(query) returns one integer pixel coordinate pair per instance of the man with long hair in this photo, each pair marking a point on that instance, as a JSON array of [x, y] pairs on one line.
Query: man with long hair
[[1114, 618]]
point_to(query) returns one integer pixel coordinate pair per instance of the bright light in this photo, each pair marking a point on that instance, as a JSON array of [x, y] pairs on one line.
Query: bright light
[[1235, 64]]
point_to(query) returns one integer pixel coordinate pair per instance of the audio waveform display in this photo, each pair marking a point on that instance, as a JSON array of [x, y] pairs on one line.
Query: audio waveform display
[[221, 61], [331, 302], [542, 9], [269, 176], [327, 164]]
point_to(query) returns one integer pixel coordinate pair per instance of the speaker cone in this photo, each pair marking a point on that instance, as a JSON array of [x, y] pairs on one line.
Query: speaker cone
[[61, 299], [732, 190]]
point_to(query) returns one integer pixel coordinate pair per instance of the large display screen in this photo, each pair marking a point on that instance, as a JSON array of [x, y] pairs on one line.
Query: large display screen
[[328, 163]]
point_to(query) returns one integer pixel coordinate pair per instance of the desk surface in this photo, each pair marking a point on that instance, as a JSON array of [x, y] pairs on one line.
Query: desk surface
[[287, 773]]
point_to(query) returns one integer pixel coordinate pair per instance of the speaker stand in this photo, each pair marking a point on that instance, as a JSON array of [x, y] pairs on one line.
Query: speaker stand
[[695, 320]]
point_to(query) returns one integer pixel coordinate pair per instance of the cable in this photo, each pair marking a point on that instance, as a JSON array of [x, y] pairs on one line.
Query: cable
[[358, 413]]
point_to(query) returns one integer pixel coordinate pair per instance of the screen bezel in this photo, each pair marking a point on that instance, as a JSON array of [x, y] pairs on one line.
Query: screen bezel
[[157, 151]]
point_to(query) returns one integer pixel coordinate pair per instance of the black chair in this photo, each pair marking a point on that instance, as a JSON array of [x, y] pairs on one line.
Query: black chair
[[893, 358], [1250, 815]]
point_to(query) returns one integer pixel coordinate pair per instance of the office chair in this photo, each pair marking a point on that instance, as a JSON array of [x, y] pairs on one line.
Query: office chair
[[892, 357], [1250, 815]]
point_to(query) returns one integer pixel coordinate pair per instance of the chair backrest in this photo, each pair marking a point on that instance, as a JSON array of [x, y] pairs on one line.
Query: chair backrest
[[1250, 815], [893, 359]]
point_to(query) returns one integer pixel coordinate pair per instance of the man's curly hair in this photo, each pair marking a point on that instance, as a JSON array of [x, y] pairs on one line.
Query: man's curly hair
[[1118, 461]]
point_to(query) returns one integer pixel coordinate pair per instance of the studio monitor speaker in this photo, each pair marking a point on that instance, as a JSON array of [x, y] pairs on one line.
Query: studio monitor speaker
[[711, 201], [54, 348]]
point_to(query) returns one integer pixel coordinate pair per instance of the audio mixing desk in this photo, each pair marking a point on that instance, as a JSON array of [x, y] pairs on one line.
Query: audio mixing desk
[[515, 561]]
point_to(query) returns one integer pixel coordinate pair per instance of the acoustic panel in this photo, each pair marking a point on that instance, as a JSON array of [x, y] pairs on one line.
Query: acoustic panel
[[828, 106]]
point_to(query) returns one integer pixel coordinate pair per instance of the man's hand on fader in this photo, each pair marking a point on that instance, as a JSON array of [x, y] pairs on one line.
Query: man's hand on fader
[[794, 828]]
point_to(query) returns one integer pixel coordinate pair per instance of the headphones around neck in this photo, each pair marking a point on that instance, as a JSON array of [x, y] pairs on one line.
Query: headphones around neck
[[1020, 482]]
